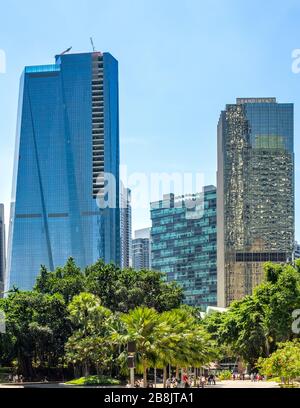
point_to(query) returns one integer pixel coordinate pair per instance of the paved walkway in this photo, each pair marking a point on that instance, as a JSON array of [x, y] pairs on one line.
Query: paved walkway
[[31, 385], [240, 384], [223, 384], [245, 384]]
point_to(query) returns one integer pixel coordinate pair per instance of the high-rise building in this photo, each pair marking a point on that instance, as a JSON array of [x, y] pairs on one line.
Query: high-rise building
[[297, 251], [256, 220], [141, 250], [67, 148], [184, 244], [2, 250], [144, 233], [126, 228]]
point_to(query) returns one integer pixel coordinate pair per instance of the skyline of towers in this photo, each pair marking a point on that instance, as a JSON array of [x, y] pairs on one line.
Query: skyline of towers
[[255, 185], [67, 143]]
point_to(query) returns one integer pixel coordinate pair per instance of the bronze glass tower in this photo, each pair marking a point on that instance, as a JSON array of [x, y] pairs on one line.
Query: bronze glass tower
[[256, 197]]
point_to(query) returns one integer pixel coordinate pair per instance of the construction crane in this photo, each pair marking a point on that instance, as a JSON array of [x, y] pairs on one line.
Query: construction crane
[[93, 45], [65, 52]]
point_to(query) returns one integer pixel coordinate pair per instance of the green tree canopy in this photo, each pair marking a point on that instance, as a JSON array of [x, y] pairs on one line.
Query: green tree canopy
[[67, 281], [90, 343], [36, 328], [253, 326], [124, 290], [283, 363], [119, 290]]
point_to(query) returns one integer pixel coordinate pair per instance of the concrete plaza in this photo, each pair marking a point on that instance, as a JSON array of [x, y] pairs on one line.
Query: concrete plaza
[[219, 385]]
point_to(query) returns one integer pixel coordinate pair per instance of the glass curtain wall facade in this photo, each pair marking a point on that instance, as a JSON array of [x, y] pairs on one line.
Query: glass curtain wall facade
[[141, 249], [256, 197], [184, 244], [126, 228], [2, 250], [67, 139], [297, 251]]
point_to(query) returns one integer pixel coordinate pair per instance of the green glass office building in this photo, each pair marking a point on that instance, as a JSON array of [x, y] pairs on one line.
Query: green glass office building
[[184, 244]]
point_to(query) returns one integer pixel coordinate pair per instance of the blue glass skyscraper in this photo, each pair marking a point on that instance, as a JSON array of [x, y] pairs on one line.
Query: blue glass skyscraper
[[67, 139]]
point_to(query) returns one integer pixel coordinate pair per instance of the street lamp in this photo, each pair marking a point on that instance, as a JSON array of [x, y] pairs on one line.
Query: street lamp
[[131, 360]]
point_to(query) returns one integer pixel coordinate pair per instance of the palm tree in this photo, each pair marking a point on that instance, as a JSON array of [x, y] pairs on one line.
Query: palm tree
[[90, 342], [185, 344], [172, 338], [189, 345], [143, 326], [87, 314]]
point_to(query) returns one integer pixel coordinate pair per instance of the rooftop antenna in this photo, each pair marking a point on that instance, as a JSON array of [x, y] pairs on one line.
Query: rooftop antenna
[[93, 45], [65, 52]]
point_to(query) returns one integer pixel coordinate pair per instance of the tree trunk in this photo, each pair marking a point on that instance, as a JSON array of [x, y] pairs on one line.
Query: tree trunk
[[155, 377], [177, 373], [165, 377], [25, 366], [268, 348], [86, 369], [145, 376]]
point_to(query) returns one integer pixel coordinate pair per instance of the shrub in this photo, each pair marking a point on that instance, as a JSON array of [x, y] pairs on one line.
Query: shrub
[[94, 380], [6, 370], [283, 363], [225, 375]]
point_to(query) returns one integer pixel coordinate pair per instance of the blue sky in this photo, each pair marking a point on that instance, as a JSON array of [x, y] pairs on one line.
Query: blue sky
[[181, 61]]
